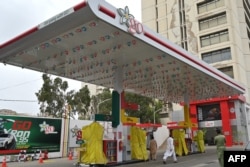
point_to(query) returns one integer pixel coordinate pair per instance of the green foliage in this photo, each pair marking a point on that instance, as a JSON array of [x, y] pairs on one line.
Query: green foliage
[[94, 102], [146, 112], [51, 96], [80, 101], [55, 100], [147, 107], [101, 101]]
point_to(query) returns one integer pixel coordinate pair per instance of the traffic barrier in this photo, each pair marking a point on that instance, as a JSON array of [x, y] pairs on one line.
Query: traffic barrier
[[4, 163], [40, 159], [70, 156], [45, 155]]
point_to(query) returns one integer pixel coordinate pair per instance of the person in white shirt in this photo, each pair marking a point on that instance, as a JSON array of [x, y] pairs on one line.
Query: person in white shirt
[[170, 151]]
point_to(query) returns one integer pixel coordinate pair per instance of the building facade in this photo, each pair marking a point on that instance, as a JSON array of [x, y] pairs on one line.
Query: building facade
[[218, 32]]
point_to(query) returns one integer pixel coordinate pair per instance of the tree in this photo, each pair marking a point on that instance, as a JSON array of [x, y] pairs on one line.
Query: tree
[[80, 101], [146, 113], [52, 96], [55, 100], [105, 107]]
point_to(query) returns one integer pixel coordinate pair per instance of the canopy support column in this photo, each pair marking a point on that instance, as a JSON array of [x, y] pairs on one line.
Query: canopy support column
[[187, 115], [116, 111]]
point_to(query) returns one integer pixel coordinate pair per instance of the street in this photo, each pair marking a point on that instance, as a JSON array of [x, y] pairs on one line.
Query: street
[[207, 159]]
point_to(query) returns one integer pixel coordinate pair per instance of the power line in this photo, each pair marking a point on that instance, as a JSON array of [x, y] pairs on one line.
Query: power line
[[19, 84], [30, 101]]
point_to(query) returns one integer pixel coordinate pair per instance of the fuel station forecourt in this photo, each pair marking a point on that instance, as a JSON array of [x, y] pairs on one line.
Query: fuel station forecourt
[[96, 43]]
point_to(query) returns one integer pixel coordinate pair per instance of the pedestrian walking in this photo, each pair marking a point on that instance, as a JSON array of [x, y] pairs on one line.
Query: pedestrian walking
[[152, 148], [220, 141], [170, 150]]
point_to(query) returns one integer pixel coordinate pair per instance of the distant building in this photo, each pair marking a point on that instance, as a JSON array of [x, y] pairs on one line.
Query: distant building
[[7, 112], [10, 112], [94, 89], [217, 32]]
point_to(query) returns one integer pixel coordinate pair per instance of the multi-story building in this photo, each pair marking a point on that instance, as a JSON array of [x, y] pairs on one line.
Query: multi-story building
[[218, 32]]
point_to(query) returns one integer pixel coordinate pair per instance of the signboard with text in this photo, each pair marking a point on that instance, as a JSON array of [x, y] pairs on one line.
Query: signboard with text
[[29, 133], [75, 132]]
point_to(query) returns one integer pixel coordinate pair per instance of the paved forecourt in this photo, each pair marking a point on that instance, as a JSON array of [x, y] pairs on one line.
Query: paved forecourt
[[207, 159]]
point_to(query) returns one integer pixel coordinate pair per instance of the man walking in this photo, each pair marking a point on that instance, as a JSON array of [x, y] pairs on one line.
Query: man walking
[[170, 151], [152, 148], [220, 142]]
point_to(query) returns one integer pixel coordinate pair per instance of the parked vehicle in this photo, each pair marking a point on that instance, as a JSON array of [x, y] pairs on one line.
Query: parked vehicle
[[5, 140]]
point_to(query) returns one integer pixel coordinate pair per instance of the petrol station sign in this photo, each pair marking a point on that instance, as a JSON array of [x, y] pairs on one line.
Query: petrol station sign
[[129, 20]]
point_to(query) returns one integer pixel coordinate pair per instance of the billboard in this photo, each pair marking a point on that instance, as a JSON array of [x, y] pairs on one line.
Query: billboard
[[209, 112], [29, 133]]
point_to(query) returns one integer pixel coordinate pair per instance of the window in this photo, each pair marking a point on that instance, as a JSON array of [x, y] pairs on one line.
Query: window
[[156, 12], [203, 25], [248, 34], [181, 20], [184, 45], [209, 5], [183, 29], [246, 6], [247, 21], [184, 18], [180, 7], [222, 19], [185, 32], [228, 71], [205, 41], [224, 36], [217, 56], [212, 21], [226, 54], [182, 34], [164, 115], [214, 38], [157, 26]]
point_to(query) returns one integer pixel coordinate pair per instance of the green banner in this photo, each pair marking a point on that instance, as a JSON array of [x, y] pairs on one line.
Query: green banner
[[29, 133]]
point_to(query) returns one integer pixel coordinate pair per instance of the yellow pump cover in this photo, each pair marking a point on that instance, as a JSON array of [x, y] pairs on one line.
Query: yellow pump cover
[[92, 135]]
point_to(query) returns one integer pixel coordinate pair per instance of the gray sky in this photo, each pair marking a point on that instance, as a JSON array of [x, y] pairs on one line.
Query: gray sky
[[18, 16]]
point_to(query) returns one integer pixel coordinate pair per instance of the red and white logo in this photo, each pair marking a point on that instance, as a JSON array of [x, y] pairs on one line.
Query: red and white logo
[[128, 19]]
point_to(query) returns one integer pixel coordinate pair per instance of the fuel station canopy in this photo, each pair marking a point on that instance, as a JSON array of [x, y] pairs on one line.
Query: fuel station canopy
[[96, 43]]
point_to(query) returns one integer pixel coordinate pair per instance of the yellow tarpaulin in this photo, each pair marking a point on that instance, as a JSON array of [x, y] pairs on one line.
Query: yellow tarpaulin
[[138, 144], [93, 147], [180, 143], [199, 138]]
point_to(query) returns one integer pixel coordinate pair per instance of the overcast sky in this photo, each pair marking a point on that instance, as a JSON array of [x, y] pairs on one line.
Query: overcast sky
[[18, 16]]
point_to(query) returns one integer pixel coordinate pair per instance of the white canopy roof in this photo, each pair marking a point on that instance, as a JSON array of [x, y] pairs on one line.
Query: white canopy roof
[[96, 43]]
